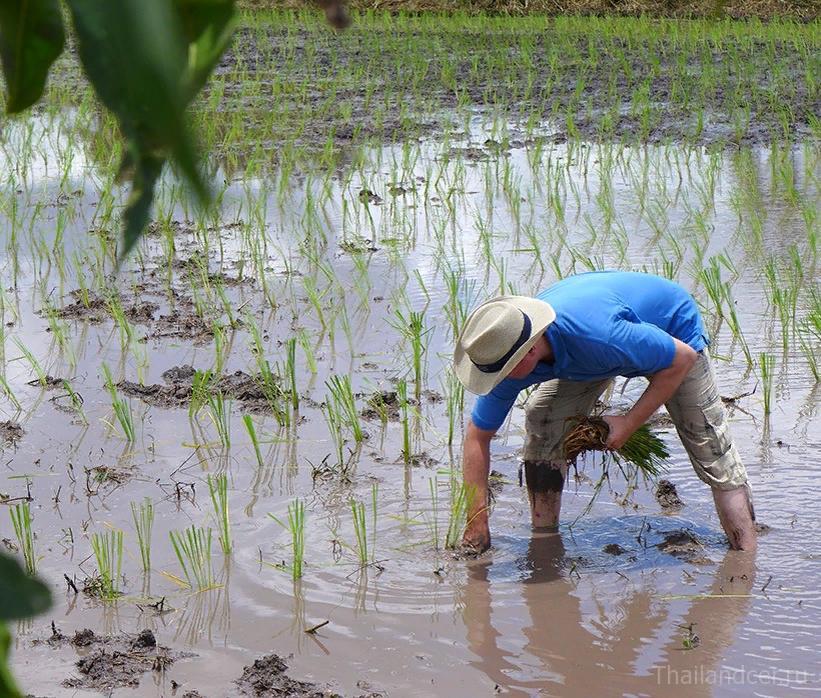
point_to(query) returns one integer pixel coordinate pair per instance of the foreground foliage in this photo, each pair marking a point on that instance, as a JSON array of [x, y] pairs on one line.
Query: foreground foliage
[[21, 596], [146, 60]]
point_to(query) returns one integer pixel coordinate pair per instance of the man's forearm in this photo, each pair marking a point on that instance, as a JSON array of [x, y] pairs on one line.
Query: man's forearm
[[475, 471]]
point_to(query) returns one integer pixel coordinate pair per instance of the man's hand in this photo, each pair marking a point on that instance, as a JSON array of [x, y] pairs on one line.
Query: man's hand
[[477, 536], [621, 429]]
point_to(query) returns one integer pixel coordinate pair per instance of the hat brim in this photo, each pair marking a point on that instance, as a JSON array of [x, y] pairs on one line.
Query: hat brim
[[541, 314]]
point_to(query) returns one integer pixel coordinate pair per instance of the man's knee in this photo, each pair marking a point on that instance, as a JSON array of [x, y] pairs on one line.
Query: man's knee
[[544, 476]]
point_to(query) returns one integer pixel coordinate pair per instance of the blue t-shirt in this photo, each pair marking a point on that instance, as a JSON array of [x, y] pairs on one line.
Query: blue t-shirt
[[608, 323]]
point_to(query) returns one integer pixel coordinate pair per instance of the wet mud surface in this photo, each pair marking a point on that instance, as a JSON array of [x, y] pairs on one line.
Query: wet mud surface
[[590, 78], [109, 662]]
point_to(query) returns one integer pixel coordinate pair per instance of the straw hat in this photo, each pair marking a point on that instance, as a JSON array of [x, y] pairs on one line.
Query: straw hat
[[495, 339]]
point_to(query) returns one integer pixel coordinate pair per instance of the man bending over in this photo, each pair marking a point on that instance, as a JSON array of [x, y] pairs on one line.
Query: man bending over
[[573, 339]]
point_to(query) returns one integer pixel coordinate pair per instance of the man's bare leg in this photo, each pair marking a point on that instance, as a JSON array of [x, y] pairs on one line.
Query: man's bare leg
[[545, 482], [737, 517]]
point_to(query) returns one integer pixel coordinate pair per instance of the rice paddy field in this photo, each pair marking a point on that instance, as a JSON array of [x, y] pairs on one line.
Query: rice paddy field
[[246, 441]]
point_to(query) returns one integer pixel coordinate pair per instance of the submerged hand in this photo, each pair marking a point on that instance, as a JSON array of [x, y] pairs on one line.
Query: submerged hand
[[477, 537], [620, 430]]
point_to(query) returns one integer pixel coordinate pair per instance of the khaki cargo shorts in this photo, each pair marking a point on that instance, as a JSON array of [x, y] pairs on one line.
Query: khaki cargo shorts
[[696, 410]]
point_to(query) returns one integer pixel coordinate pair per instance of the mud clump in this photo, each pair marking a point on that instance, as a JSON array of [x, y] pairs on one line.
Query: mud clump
[[11, 432], [383, 406], [253, 392], [266, 678], [684, 545], [667, 496], [386, 405], [614, 549], [115, 661], [84, 638]]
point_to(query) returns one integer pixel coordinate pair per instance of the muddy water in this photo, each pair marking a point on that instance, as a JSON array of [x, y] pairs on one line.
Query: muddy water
[[628, 600]]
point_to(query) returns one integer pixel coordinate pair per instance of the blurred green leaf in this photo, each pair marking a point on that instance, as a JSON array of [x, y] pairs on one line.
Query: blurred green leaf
[[146, 60], [21, 596], [31, 37], [145, 175], [208, 27], [8, 689]]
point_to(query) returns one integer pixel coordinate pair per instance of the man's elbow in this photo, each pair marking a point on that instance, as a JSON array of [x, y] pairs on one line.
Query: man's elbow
[[686, 357], [482, 435]]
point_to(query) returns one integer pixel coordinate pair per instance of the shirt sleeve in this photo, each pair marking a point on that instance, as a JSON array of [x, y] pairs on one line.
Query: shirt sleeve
[[490, 411]]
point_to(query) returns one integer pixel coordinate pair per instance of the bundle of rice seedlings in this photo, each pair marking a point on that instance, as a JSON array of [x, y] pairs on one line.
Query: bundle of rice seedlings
[[644, 450], [644, 453]]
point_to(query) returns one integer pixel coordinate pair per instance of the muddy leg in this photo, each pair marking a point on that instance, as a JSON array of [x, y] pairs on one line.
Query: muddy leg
[[737, 517], [545, 482]]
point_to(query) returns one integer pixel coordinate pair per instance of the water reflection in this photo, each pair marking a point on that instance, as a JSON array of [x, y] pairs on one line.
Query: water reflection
[[578, 642]]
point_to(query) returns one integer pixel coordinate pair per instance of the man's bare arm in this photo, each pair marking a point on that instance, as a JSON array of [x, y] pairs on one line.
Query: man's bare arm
[[475, 471], [661, 389]]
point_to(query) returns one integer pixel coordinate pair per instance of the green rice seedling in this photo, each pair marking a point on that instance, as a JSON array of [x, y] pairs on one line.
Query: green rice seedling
[[218, 488], [108, 550], [711, 278], [290, 372], [296, 527], [249, 426], [200, 391], [360, 531], [269, 383], [222, 347], [35, 365], [8, 392], [315, 296], [461, 499], [412, 328], [122, 408], [785, 299], [221, 416], [343, 398], [226, 304], [76, 401], [767, 366], [454, 393], [307, 350], [62, 336], [115, 307], [21, 520], [808, 349], [334, 421], [143, 515], [404, 407], [433, 524], [735, 326], [193, 549], [374, 502]]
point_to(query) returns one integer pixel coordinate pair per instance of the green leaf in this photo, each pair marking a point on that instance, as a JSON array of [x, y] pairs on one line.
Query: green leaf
[[31, 37], [8, 688], [139, 57], [21, 596], [147, 172], [208, 27]]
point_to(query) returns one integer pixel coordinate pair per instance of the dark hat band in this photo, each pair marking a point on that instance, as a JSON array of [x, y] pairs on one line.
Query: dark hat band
[[497, 366]]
